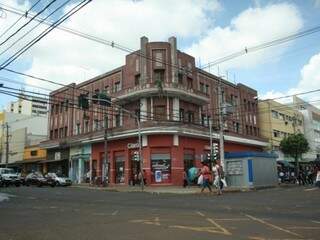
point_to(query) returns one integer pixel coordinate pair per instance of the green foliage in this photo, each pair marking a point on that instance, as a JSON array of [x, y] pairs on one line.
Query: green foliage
[[294, 146]]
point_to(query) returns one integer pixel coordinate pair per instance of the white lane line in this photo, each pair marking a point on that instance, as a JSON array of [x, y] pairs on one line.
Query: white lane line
[[200, 213], [115, 213], [311, 189], [316, 222], [273, 226]]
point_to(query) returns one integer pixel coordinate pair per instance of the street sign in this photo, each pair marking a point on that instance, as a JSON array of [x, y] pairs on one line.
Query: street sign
[[133, 145]]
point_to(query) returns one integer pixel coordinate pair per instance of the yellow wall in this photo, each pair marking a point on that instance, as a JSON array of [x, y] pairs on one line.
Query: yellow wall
[[268, 123], [41, 153]]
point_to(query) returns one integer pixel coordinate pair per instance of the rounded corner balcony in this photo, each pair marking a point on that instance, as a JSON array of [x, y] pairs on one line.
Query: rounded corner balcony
[[167, 89]]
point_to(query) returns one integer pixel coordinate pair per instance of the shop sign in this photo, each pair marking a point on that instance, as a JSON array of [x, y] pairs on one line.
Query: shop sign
[[234, 168], [133, 145], [158, 176]]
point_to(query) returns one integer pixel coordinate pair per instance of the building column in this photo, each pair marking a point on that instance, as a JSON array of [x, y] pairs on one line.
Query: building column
[[143, 109], [112, 168], [79, 170]]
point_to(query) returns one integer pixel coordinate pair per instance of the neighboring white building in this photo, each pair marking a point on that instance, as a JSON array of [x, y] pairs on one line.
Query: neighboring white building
[[311, 116], [24, 130], [27, 107]]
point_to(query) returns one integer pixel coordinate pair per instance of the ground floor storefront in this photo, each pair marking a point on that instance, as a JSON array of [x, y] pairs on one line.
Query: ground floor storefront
[[165, 158]]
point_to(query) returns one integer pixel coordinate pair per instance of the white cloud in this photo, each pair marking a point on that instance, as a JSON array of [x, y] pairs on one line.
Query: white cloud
[[310, 80], [317, 3], [251, 27], [66, 58]]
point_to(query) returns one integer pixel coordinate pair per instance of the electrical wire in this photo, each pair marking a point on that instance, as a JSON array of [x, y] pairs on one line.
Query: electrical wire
[[28, 32], [22, 16], [74, 10], [24, 25]]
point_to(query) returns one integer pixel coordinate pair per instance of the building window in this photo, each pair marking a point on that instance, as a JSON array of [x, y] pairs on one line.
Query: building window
[[201, 87], [282, 116], [181, 114], [57, 109], [190, 117], [107, 89], [66, 105], [60, 132], [56, 133], [247, 130], [158, 59], [117, 87], [65, 131], [276, 133], [96, 125], [206, 89], [86, 126], [118, 120], [78, 128], [180, 78], [160, 112], [34, 153], [275, 114], [137, 79], [203, 119], [161, 167], [189, 83], [51, 134], [159, 75]]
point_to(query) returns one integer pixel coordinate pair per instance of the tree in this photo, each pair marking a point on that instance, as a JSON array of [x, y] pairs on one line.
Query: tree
[[295, 145]]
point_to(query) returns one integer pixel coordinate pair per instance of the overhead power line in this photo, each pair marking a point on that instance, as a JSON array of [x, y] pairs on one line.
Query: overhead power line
[[24, 25], [21, 17], [258, 47], [28, 32], [45, 32]]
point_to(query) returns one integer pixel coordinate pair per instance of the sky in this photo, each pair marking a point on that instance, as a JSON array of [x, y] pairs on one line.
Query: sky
[[206, 29]]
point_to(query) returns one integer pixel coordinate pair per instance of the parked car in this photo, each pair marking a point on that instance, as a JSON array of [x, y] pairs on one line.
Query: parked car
[[9, 177], [39, 180], [60, 179]]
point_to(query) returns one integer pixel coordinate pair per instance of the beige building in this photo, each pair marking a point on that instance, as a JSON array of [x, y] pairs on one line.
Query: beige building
[[277, 121]]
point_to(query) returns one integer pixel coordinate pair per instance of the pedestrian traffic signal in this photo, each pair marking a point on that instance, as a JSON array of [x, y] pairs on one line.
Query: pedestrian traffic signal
[[208, 157]]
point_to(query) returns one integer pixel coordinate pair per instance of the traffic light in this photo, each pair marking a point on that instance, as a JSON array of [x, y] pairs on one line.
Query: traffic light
[[101, 99], [215, 151], [83, 101], [136, 156], [208, 157]]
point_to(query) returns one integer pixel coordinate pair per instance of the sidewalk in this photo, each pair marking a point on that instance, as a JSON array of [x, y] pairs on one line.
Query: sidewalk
[[160, 189]]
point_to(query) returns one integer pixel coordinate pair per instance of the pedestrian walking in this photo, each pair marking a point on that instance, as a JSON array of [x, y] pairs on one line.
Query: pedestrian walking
[[218, 175], [318, 179], [206, 174]]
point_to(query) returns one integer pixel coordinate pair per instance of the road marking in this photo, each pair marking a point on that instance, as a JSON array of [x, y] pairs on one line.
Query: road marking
[[311, 189], [232, 219], [315, 222], [272, 225], [200, 213], [115, 213], [225, 231], [156, 221], [216, 229], [301, 227]]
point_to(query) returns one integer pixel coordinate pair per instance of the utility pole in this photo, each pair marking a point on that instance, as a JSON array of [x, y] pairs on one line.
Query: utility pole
[[105, 161], [221, 124], [211, 143], [7, 143]]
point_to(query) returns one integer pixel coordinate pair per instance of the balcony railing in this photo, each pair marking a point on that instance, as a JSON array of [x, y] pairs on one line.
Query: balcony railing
[[167, 89]]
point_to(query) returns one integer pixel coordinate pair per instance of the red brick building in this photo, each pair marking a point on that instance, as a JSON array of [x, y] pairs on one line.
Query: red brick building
[[174, 100]]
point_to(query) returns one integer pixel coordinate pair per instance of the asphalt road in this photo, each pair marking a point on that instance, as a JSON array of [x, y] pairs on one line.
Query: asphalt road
[[72, 213]]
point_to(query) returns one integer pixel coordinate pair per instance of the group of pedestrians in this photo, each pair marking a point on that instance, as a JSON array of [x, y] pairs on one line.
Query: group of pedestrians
[[308, 175], [206, 178]]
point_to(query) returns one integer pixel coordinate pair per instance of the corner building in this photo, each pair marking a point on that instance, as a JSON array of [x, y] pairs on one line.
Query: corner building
[[174, 100]]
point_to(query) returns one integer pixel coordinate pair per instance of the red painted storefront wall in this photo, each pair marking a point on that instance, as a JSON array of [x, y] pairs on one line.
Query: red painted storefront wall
[[157, 144]]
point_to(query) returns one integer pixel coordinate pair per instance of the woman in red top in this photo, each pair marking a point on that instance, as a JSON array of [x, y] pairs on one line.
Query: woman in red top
[[205, 172]]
